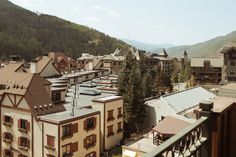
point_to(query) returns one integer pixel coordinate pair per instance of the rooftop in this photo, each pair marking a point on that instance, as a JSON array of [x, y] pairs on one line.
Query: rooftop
[[180, 101], [199, 62], [171, 126], [60, 117]]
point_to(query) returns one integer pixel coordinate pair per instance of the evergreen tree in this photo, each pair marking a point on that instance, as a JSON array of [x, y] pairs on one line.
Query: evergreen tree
[[149, 87], [130, 86]]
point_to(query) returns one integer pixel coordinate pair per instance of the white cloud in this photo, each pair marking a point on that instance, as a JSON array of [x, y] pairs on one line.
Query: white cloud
[[93, 19], [27, 3], [158, 26], [76, 8], [98, 7], [113, 12]]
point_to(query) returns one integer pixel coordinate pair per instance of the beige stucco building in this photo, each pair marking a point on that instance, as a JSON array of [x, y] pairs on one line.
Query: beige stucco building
[[111, 109], [33, 126]]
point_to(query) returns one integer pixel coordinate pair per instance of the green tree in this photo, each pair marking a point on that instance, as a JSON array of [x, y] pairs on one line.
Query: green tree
[[130, 86]]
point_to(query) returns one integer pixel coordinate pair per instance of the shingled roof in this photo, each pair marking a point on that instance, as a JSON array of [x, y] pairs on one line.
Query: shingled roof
[[31, 86]]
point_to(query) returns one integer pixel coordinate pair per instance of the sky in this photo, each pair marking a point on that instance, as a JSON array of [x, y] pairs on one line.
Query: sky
[[178, 22]]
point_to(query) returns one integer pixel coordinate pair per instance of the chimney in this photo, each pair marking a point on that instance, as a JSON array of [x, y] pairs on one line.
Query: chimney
[[33, 67], [206, 107]]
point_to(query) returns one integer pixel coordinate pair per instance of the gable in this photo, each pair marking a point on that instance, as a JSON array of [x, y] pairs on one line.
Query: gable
[[50, 70], [16, 101], [7, 101], [23, 104]]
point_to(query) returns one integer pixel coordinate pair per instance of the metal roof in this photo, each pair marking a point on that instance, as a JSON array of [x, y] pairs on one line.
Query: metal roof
[[181, 101]]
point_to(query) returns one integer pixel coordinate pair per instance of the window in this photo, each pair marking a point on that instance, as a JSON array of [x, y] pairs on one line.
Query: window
[[110, 115], [69, 149], [50, 142], [90, 141], [8, 153], [8, 120], [23, 125], [119, 127], [23, 143], [232, 63], [120, 113], [90, 123], [110, 131], [7, 137], [92, 154], [56, 96], [66, 130], [66, 150]]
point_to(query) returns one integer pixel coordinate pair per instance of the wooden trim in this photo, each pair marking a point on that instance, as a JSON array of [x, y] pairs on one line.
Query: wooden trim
[[42, 138], [14, 100], [18, 103], [32, 128], [10, 100], [59, 141], [18, 109]]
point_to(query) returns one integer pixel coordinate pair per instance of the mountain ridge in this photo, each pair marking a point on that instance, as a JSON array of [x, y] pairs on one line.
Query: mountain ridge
[[146, 46], [23, 32], [209, 48]]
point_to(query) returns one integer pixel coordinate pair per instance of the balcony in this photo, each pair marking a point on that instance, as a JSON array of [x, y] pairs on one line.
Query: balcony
[[212, 135]]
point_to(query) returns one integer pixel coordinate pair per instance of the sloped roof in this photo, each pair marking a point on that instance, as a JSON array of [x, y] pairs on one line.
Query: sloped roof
[[32, 87], [183, 100], [12, 66], [199, 62], [171, 126]]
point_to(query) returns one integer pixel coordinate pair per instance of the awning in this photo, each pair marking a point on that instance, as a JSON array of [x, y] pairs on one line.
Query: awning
[[128, 153]]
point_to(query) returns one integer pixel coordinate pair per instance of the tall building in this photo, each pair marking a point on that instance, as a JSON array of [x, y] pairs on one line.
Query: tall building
[[207, 70], [33, 126], [229, 67]]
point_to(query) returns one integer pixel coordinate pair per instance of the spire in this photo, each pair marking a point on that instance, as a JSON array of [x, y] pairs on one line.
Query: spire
[[185, 53], [163, 53]]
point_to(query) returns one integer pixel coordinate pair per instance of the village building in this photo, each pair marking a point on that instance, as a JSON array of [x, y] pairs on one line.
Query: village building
[[180, 104], [229, 64], [207, 70], [39, 117]]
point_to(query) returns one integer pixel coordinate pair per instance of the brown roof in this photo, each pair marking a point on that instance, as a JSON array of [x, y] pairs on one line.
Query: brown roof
[[57, 56], [32, 87], [39, 100], [42, 63], [13, 66], [171, 126]]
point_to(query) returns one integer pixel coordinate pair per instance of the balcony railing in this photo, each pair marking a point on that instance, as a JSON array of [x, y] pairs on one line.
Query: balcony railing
[[187, 143]]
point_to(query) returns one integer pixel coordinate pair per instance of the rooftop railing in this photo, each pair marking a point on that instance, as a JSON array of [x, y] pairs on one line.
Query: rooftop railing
[[191, 142]]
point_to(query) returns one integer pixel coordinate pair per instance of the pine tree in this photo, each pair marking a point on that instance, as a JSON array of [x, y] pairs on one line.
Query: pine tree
[[130, 86]]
